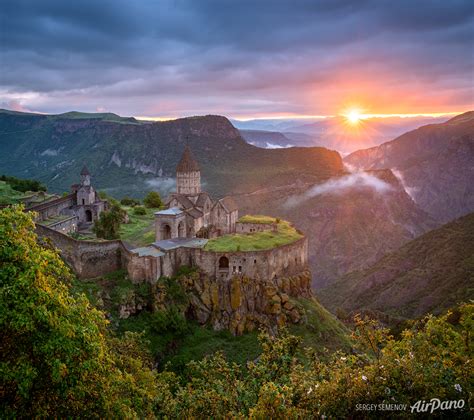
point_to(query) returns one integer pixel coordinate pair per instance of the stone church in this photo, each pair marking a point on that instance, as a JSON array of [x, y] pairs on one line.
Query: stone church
[[72, 212], [192, 212]]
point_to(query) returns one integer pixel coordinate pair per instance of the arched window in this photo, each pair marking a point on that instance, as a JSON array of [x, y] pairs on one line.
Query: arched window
[[223, 263]]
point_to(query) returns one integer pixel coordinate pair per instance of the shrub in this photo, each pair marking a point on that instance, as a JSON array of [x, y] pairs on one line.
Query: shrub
[[108, 225], [127, 201], [152, 200], [139, 211]]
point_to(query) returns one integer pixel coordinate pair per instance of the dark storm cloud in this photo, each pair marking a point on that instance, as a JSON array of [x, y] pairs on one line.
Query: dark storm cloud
[[187, 56]]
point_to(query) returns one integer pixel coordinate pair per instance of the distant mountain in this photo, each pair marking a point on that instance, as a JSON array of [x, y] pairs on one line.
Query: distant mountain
[[350, 224], [435, 163], [129, 157], [427, 275], [335, 133]]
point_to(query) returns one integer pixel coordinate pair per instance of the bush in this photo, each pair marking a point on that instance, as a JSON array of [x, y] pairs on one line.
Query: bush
[[139, 211], [153, 200], [131, 202], [108, 225]]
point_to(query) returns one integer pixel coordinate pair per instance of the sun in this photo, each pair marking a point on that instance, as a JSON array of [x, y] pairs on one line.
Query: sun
[[354, 116]]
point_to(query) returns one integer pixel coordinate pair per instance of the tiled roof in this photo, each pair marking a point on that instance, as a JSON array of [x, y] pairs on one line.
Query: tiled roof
[[194, 213], [229, 204], [183, 200], [85, 171], [173, 211], [202, 198]]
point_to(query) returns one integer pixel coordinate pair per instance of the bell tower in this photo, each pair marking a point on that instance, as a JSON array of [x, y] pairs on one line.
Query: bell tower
[[85, 177], [188, 174]]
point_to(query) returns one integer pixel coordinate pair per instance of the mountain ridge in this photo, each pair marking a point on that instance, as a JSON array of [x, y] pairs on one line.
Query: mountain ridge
[[429, 274], [434, 162], [129, 157]]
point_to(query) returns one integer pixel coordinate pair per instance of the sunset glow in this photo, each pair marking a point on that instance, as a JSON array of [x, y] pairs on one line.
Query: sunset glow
[[354, 116]]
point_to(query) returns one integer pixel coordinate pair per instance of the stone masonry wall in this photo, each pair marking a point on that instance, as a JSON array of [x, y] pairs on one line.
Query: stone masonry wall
[[285, 260], [87, 258]]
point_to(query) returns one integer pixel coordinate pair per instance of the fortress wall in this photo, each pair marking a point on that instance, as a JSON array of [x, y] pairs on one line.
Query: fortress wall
[[145, 268], [53, 208], [241, 227], [87, 258], [286, 260], [66, 225]]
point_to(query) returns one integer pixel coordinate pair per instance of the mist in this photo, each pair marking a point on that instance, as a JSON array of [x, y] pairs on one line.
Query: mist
[[340, 185]]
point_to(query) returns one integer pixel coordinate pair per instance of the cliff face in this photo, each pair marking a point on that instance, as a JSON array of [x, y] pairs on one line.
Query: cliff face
[[241, 304], [126, 156], [435, 164], [348, 228]]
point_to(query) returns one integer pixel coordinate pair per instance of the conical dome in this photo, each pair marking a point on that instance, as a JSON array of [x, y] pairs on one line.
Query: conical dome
[[85, 171], [187, 162]]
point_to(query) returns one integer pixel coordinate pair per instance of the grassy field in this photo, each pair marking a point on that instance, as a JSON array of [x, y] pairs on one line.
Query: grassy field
[[140, 230], [285, 234]]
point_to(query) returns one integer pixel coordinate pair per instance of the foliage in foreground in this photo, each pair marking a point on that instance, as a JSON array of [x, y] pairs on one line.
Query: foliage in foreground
[[434, 360], [58, 358]]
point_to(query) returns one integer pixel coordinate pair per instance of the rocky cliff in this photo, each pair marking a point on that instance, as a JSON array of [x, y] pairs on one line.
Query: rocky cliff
[[240, 305], [434, 162]]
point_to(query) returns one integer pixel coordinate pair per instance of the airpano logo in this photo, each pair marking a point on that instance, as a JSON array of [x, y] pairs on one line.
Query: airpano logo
[[436, 404]]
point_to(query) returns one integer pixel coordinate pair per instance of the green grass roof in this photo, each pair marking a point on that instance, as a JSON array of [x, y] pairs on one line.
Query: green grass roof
[[258, 241]]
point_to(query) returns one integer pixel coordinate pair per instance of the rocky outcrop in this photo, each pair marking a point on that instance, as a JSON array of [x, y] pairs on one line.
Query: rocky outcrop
[[241, 304]]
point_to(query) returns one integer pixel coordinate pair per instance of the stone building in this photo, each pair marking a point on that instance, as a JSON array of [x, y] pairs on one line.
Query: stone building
[[88, 205], [192, 212], [75, 211]]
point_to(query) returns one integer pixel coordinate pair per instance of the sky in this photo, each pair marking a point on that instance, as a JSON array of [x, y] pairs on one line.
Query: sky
[[239, 58]]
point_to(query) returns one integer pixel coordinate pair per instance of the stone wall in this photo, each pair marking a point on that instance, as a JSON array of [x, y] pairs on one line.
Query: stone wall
[[53, 208], [66, 225], [87, 258], [285, 260], [241, 227]]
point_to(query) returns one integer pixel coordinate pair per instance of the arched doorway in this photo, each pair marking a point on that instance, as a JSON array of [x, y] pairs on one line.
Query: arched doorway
[[181, 230], [223, 263], [88, 216], [165, 231]]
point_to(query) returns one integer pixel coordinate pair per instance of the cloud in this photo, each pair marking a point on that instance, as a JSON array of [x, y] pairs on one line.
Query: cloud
[[340, 185], [183, 57], [163, 185]]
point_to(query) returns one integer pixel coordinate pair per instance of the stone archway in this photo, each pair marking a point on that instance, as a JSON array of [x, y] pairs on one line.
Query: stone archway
[[165, 231], [223, 263], [88, 216]]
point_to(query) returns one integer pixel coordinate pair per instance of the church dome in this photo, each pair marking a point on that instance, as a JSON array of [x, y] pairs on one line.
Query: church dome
[[187, 162]]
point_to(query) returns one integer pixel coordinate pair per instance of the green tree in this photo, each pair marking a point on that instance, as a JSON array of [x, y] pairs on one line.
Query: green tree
[[152, 200], [108, 224], [56, 357], [139, 210], [127, 201]]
